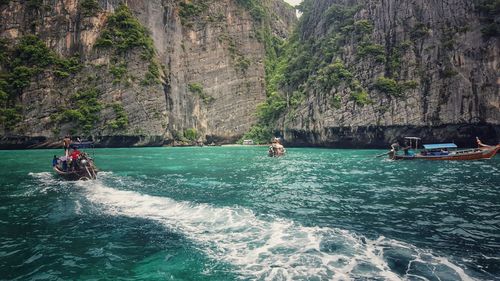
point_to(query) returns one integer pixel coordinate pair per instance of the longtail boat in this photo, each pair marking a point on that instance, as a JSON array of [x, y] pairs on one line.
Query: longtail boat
[[443, 151], [276, 149], [81, 168]]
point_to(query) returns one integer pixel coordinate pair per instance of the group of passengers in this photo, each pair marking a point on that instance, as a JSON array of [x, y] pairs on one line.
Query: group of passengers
[[407, 149], [276, 148], [395, 147], [435, 152], [71, 156]]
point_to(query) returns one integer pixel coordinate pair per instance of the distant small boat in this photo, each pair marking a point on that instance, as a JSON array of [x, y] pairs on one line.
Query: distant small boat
[[276, 149], [443, 151], [248, 142], [83, 169]]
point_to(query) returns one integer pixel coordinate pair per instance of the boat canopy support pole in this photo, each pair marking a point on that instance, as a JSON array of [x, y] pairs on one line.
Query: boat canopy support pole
[[91, 175]]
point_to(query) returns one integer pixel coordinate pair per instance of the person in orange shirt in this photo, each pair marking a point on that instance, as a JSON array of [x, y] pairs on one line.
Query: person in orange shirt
[[66, 144]]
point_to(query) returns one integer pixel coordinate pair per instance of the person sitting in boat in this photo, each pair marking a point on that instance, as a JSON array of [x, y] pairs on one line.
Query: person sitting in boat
[[270, 151], [273, 149], [406, 149], [64, 163], [74, 158], [276, 148], [394, 149], [281, 148], [55, 160], [395, 146]]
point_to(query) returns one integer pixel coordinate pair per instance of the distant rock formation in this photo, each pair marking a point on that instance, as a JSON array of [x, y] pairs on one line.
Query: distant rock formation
[[363, 73], [144, 73], [351, 74]]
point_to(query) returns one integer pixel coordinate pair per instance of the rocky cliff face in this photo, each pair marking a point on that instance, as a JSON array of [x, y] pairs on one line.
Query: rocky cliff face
[[353, 74], [148, 73], [363, 73]]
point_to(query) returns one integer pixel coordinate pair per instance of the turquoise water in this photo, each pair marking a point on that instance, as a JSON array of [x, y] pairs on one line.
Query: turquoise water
[[232, 213]]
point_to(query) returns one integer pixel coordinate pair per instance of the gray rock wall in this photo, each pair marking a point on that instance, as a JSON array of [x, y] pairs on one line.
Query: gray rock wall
[[455, 67], [217, 50]]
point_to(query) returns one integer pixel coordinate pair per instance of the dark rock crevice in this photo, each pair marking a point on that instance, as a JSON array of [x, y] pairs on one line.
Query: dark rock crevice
[[382, 137]]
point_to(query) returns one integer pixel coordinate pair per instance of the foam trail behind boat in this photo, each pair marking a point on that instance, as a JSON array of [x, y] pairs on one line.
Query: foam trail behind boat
[[274, 249]]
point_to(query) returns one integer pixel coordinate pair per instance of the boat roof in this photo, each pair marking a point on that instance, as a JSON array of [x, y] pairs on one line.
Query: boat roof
[[83, 144], [440, 145], [412, 138]]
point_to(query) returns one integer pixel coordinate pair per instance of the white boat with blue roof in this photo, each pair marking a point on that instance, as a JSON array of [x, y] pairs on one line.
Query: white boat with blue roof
[[441, 151]]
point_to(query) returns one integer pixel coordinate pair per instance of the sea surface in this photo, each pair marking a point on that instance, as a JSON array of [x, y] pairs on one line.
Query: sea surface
[[232, 213]]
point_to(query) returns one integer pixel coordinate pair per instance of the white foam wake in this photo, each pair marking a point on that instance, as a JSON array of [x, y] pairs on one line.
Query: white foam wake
[[277, 249], [48, 183]]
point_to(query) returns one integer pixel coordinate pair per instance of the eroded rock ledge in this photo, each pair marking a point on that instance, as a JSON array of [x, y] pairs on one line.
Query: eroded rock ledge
[[335, 137], [382, 137]]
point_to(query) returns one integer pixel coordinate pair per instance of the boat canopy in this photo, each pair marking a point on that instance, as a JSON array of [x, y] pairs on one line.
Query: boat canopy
[[83, 144], [412, 138], [440, 145]]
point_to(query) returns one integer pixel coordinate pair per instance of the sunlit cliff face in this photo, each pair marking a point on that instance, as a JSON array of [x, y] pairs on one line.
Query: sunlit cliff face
[[216, 51], [396, 64]]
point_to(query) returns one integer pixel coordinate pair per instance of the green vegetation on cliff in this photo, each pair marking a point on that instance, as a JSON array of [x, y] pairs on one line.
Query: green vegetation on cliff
[[490, 13], [89, 8], [393, 88], [255, 8], [323, 60], [275, 104], [152, 76], [31, 57], [191, 134], [187, 136], [188, 11], [121, 119], [260, 134], [84, 109], [118, 70], [333, 74], [197, 88], [122, 34], [26, 59], [306, 65]]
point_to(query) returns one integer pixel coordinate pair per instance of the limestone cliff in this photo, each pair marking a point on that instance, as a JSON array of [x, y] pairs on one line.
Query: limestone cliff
[[134, 72], [363, 73]]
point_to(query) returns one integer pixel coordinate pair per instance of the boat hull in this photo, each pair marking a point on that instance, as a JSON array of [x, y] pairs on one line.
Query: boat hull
[[471, 154], [81, 174]]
